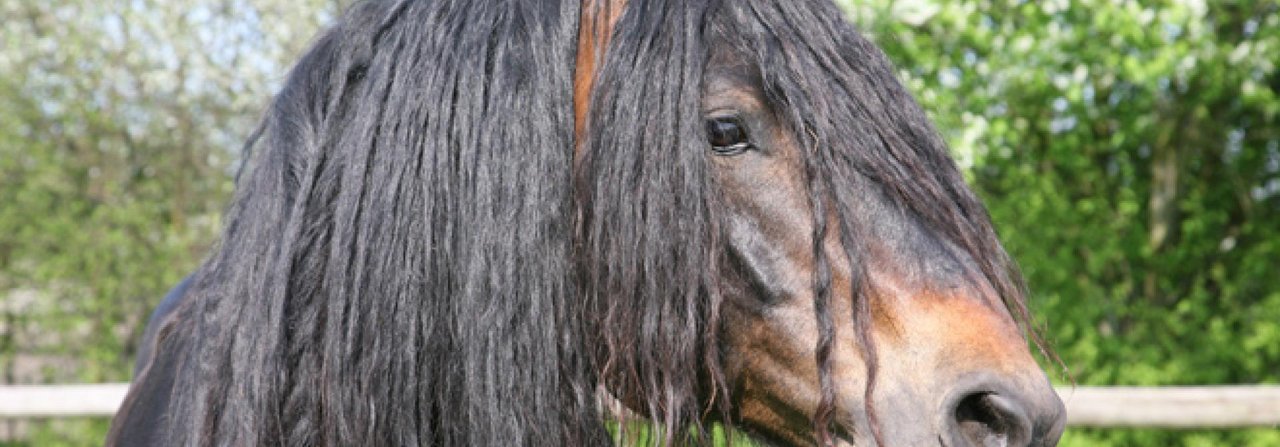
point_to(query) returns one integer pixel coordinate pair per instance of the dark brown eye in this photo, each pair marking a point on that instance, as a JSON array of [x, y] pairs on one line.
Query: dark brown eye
[[727, 135]]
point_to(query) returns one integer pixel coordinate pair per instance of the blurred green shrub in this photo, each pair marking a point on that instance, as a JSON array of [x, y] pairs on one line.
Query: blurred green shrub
[[1129, 152]]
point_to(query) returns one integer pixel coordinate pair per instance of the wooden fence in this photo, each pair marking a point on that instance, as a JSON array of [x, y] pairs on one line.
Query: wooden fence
[[1173, 407], [1166, 407], [44, 401]]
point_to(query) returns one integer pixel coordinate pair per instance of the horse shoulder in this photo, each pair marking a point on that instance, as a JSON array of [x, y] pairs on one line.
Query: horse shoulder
[[140, 419], [171, 302]]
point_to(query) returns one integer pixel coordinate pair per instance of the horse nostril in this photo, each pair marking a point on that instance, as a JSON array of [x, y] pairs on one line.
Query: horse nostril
[[987, 419]]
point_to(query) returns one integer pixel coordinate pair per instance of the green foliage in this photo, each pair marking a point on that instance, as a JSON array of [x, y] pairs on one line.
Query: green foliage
[[119, 125], [1129, 153], [643, 434]]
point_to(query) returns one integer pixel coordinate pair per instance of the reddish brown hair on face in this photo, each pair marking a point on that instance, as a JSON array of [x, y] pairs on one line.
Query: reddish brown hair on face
[[594, 29]]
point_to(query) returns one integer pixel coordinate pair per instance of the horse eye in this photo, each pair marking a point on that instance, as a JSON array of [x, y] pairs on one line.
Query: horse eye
[[727, 135]]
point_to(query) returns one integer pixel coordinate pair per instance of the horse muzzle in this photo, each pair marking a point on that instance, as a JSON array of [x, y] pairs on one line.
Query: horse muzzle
[[984, 411]]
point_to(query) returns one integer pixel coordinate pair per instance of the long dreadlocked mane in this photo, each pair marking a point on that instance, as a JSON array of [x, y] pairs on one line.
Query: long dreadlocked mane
[[414, 256], [395, 270]]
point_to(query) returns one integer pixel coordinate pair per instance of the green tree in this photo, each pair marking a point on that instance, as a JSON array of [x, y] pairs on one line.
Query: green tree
[[120, 123], [1129, 152]]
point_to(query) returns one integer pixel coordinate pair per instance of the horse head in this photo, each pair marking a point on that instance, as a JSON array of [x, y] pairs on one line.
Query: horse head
[[767, 206]]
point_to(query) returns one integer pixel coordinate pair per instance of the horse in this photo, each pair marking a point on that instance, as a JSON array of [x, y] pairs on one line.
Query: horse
[[475, 222]]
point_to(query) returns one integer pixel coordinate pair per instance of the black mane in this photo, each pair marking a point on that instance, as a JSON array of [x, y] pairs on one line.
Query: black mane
[[395, 268], [412, 257]]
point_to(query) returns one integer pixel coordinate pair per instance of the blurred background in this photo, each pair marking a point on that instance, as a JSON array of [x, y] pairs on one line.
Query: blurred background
[[1129, 152]]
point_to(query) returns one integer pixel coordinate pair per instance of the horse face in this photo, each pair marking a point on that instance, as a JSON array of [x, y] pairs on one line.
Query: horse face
[[951, 364]]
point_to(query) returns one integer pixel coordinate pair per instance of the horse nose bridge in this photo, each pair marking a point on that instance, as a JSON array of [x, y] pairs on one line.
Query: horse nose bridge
[[953, 330]]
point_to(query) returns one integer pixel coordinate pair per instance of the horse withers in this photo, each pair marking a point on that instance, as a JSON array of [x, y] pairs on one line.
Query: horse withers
[[461, 221]]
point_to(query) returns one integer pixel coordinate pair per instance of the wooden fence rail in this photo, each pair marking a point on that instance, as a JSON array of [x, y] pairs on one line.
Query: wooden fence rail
[[1167, 407], [1173, 407], [44, 401]]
